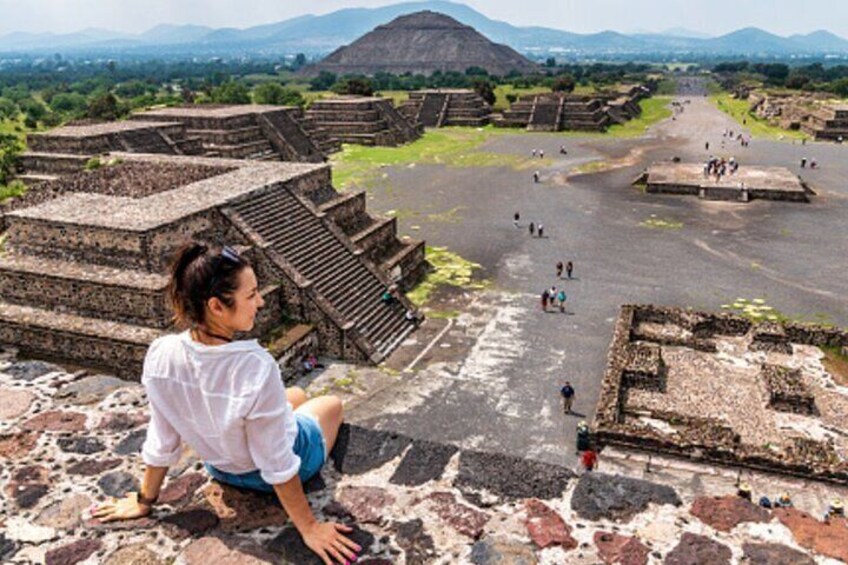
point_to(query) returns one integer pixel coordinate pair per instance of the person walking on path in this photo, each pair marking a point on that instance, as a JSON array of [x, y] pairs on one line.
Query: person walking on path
[[541, 230], [561, 298], [534, 153], [541, 153], [224, 397], [559, 269], [552, 295], [545, 297], [589, 460], [569, 268], [532, 228], [515, 218], [567, 393], [535, 176]]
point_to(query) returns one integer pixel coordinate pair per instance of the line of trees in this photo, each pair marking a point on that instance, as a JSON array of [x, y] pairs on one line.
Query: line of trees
[[812, 77]]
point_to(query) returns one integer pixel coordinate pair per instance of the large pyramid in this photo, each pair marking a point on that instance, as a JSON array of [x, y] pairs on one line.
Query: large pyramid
[[423, 42]]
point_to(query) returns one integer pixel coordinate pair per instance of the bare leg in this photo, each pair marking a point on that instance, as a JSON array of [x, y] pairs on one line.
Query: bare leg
[[296, 396], [329, 412]]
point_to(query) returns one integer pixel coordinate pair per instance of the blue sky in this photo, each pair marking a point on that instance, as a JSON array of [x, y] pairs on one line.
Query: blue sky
[[715, 17]]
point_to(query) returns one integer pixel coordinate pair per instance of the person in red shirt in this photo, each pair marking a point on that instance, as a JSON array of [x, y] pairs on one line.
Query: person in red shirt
[[589, 459]]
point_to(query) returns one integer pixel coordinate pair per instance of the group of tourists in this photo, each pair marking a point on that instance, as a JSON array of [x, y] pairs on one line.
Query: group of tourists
[[720, 167], [835, 509], [813, 163], [553, 298]]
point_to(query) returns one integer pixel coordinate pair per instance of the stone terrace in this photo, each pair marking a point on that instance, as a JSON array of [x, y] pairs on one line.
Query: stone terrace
[[765, 183], [363, 120], [83, 278], [67, 149], [446, 107], [556, 112], [69, 440], [761, 406], [250, 131]]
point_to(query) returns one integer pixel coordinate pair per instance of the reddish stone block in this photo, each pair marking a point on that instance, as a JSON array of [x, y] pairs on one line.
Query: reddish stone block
[[726, 512], [56, 421], [827, 538], [464, 519], [546, 527], [621, 550]]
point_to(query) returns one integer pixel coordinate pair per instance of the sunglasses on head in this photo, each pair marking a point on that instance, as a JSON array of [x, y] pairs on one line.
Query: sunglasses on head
[[227, 254]]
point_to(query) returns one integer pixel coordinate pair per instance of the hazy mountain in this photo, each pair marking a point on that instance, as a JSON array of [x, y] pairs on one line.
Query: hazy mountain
[[319, 35]]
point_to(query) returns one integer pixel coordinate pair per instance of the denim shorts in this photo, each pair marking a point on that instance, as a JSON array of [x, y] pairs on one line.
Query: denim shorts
[[309, 445]]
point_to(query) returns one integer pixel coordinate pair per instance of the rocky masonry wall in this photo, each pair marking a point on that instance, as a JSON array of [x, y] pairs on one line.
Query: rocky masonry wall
[[705, 438]]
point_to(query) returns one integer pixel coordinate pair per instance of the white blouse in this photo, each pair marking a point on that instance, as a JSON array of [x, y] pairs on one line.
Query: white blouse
[[227, 402]]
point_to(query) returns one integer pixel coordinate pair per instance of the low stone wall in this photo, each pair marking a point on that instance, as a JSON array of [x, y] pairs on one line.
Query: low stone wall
[[786, 390], [705, 438]]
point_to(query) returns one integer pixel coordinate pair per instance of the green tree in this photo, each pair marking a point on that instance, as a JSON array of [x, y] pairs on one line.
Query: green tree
[[231, 92], [550, 62], [840, 87], [563, 83], [485, 89], [359, 86], [69, 103], [104, 107], [8, 109], [32, 108], [10, 150], [299, 61], [274, 93], [323, 81]]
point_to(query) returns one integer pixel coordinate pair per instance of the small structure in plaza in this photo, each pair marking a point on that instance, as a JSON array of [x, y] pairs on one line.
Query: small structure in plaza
[[746, 184], [365, 120], [828, 123], [84, 272], [446, 107], [722, 388], [277, 133]]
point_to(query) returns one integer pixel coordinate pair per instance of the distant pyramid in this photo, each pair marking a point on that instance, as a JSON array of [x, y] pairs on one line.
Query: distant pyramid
[[423, 42]]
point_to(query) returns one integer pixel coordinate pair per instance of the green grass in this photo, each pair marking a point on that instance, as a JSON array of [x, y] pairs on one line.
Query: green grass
[[661, 224], [654, 110], [449, 269], [12, 190], [739, 110], [358, 165]]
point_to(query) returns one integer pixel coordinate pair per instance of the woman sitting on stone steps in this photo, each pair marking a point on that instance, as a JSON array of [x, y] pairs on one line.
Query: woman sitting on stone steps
[[226, 399]]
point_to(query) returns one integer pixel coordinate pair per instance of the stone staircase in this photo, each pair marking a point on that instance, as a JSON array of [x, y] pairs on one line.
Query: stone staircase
[[454, 107], [546, 112], [362, 120], [304, 242], [431, 111]]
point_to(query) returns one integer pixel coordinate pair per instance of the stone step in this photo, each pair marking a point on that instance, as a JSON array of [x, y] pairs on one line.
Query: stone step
[[337, 274], [129, 296], [32, 179], [235, 136], [117, 347], [36, 163], [240, 151]]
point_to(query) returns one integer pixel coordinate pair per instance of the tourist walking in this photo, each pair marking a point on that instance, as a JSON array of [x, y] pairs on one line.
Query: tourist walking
[[545, 296], [541, 230], [532, 228], [562, 150], [803, 162], [567, 393], [559, 269], [589, 460], [535, 176], [534, 153], [515, 218], [561, 297], [541, 153], [569, 268]]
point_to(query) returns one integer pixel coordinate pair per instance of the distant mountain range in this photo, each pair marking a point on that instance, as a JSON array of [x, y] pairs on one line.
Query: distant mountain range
[[318, 35]]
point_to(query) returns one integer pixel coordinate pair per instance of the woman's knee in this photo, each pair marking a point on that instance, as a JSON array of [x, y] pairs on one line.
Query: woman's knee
[[296, 396]]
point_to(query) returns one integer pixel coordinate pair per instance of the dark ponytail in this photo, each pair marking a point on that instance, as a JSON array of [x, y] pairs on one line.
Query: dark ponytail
[[199, 273]]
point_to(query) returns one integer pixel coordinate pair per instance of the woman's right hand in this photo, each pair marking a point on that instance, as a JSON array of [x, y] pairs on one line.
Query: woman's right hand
[[327, 541], [126, 508]]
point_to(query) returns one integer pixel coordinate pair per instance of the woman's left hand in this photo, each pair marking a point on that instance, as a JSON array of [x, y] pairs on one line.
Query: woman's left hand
[[126, 508]]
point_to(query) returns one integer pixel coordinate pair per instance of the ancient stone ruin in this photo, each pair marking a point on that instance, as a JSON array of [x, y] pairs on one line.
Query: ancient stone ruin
[[363, 120], [251, 131], [83, 275], [558, 111], [746, 184], [422, 43], [813, 113], [446, 107], [275, 133], [828, 123], [771, 409]]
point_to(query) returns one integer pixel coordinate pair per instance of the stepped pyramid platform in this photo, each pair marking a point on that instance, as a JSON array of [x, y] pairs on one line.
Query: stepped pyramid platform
[[363, 120], [84, 270], [66, 149], [556, 112], [830, 123], [746, 184], [255, 131], [446, 107]]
